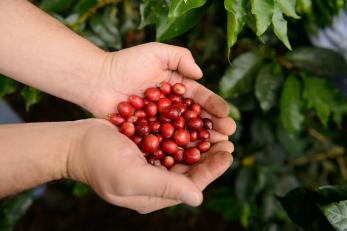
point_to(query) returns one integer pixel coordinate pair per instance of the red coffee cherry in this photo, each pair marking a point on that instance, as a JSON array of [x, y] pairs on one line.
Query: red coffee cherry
[[163, 103], [181, 106], [190, 114], [150, 144], [208, 124], [179, 89], [167, 130], [155, 126], [137, 140], [187, 101], [203, 134], [152, 94], [142, 121], [158, 155], [152, 119], [168, 162], [182, 137], [132, 119], [160, 137], [193, 136], [125, 109], [140, 114], [136, 101], [191, 155], [175, 98], [178, 155], [179, 122], [127, 129], [196, 107], [169, 146], [171, 112], [163, 119], [142, 129], [204, 146], [151, 109], [165, 88], [195, 124], [116, 119]]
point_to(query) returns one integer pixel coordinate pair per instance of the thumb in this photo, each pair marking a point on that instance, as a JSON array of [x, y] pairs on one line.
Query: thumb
[[181, 60], [156, 182]]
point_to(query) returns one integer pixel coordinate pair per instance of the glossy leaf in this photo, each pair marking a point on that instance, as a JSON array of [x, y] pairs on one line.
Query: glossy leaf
[[180, 7], [336, 213], [291, 104], [263, 11], [267, 83], [238, 78], [151, 11], [31, 97], [236, 19], [83, 6], [7, 86], [320, 61], [234, 112], [288, 7], [280, 26], [57, 6]]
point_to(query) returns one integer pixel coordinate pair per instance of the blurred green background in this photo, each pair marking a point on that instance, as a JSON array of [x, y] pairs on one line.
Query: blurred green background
[[291, 136]]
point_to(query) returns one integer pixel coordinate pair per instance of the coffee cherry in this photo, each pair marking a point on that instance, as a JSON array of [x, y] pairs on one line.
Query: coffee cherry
[[132, 119], [191, 155], [127, 129], [181, 106], [182, 137], [142, 121], [155, 126], [168, 161], [187, 101], [146, 101], [203, 134], [163, 103], [153, 161], [165, 88], [163, 119], [190, 114], [179, 89], [196, 107], [179, 122], [151, 109], [125, 109], [158, 155], [167, 130], [171, 112], [152, 119], [169, 146], [195, 124], [142, 129], [152, 94], [175, 98], [160, 137], [116, 119], [136, 101], [193, 136], [178, 155], [137, 140], [140, 114], [204, 146], [150, 144], [208, 124], [161, 96]]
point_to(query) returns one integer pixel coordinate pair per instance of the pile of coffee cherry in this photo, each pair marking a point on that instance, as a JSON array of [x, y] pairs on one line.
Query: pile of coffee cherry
[[166, 126]]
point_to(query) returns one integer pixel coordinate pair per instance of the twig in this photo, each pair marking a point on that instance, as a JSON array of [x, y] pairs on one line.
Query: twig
[[333, 153], [342, 166]]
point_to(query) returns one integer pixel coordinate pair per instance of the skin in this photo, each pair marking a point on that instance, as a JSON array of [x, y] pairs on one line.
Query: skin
[[52, 58]]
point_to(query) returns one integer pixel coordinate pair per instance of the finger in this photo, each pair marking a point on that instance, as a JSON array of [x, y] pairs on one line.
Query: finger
[[155, 182], [181, 60], [224, 146], [226, 125], [216, 137]]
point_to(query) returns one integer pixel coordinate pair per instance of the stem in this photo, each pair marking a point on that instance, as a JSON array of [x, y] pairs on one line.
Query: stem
[[333, 153]]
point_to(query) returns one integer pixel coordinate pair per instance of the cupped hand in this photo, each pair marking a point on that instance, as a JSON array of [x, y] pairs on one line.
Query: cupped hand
[[116, 169]]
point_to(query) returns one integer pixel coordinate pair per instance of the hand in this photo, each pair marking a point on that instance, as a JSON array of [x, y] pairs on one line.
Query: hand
[[114, 166]]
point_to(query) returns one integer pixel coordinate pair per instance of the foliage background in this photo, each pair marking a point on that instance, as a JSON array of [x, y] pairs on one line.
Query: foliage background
[[291, 118]]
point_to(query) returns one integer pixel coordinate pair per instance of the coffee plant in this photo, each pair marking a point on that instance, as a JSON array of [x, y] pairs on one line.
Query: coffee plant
[[258, 55]]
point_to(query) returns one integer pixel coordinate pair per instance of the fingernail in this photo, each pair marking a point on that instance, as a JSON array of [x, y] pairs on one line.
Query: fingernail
[[191, 198]]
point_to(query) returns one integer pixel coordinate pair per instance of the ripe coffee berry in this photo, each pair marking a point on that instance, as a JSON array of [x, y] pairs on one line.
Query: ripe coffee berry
[[136, 101], [150, 144], [127, 129], [152, 94], [125, 109], [179, 89], [116, 119], [165, 126]]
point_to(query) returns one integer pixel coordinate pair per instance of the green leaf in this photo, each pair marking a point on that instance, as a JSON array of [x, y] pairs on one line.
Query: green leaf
[[151, 11], [238, 78], [57, 6], [291, 104], [83, 6], [288, 7], [180, 7], [237, 13], [319, 61], [81, 190], [234, 112], [7, 86], [328, 101], [263, 11], [31, 97], [336, 213], [280, 27], [267, 83]]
